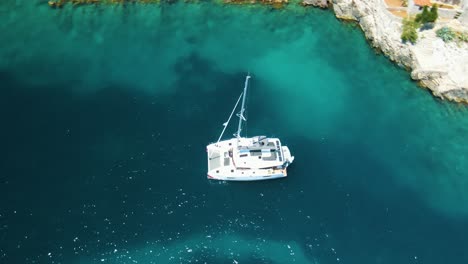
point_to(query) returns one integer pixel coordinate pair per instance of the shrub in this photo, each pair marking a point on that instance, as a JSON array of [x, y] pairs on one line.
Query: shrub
[[409, 31], [446, 34], [463, 36]]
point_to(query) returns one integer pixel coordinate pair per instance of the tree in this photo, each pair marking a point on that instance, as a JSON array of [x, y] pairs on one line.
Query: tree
[[424, 16], [433, 14], [428, 16]]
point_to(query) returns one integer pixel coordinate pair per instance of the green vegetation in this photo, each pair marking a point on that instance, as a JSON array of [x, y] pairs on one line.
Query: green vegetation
[[404, 3], [446, 34], [434, 13], [462, 36], [409, 31], [428, 16]]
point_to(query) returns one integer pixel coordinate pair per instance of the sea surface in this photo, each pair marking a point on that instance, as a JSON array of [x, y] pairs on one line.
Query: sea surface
[[106, 112]]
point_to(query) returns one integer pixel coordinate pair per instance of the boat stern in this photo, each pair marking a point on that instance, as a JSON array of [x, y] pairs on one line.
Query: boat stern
[[288, 158]]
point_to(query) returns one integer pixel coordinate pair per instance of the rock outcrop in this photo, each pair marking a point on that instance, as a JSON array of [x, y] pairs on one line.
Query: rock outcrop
[[316, 3], [441, 67]]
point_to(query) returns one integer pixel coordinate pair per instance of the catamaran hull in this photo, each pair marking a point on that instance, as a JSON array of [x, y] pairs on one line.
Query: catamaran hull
[[248, 175], [249, 178]]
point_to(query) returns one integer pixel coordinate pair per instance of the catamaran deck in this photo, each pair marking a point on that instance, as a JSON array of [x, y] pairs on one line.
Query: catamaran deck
[[256, 160], [215, 160], [249, 154]]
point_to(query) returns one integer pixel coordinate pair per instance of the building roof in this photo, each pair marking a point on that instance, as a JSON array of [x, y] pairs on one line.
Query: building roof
[[422, 2]]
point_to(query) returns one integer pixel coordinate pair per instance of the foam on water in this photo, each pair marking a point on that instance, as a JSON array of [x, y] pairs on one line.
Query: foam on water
[[227, 248]]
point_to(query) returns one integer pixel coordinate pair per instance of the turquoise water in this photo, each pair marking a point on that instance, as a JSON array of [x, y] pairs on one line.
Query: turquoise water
[[107, 111]]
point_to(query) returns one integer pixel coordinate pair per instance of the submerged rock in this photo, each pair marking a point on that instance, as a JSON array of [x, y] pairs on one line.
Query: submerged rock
[[441, 67], [56, 4]]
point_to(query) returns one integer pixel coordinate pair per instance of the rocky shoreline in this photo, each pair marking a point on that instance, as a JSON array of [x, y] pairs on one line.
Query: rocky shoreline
[[439, 66]]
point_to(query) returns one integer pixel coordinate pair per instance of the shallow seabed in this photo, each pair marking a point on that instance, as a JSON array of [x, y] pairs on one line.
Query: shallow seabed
[[107, 111]]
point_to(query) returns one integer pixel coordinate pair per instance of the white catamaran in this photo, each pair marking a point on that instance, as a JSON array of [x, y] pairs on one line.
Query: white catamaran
[[247, 159]]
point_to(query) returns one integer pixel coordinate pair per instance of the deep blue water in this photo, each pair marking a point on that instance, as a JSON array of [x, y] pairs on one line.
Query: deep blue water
[[106, 113]]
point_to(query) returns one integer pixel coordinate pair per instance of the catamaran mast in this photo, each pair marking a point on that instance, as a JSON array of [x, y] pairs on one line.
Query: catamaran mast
[[241, 113], [229, 119]]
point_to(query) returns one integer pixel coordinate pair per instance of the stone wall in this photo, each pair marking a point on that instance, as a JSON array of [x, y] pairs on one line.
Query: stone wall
[[447, 13]]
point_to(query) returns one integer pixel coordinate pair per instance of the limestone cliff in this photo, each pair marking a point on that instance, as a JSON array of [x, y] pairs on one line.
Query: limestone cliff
[[441, 67]]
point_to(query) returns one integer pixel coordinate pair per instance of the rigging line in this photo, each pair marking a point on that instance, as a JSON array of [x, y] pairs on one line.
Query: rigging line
[[227, 122], [241, 113]]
